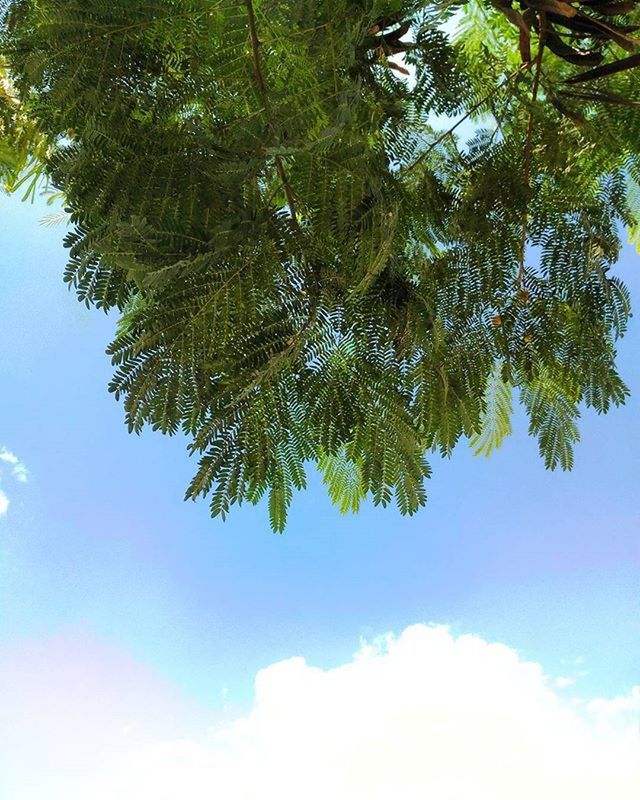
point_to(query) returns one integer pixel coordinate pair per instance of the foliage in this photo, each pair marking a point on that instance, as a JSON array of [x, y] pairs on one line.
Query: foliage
[[23, 150], [495, 421], [308, 268]]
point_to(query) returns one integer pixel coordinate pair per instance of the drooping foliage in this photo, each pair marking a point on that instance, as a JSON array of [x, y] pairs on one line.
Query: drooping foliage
[[311, 263]]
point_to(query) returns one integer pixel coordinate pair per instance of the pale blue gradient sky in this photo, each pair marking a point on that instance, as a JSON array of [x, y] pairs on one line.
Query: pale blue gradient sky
[[99, 539]]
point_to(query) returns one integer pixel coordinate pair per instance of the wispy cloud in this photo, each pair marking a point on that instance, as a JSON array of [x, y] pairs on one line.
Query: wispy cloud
[[423, 714], [564, 681], [16, 469]]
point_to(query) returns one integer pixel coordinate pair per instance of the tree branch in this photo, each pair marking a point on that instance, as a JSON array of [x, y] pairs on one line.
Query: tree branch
[[471, 111], [529, 142], [262, 89]]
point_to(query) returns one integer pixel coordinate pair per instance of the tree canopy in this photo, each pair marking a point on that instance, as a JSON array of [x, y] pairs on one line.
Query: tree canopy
[[338, 232]]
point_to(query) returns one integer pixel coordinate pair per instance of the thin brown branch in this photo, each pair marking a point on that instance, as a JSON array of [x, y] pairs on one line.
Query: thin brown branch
[[529, 143], [262, 90], [471, 111]]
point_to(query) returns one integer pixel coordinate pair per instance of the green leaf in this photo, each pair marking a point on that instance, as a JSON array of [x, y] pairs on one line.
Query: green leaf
[[495, 421]]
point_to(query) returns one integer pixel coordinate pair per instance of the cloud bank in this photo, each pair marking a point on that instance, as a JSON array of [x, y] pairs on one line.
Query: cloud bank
[[421, 715], [17, 470]]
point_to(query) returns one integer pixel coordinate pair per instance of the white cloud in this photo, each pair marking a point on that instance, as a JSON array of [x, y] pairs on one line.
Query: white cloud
[[421, 715], [564, 681], [18, 471], [18, 468]]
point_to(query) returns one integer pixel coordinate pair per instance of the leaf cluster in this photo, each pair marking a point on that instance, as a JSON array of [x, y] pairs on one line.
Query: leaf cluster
[[307, 267]]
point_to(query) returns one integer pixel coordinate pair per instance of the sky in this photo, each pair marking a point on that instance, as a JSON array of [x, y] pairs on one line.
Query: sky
[[487, 647]]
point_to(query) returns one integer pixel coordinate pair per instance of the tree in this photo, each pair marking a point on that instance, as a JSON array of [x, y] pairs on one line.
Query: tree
[[308, 268]]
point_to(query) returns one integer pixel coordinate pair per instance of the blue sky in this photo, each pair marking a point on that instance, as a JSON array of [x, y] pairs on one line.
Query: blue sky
[[98, 545]]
